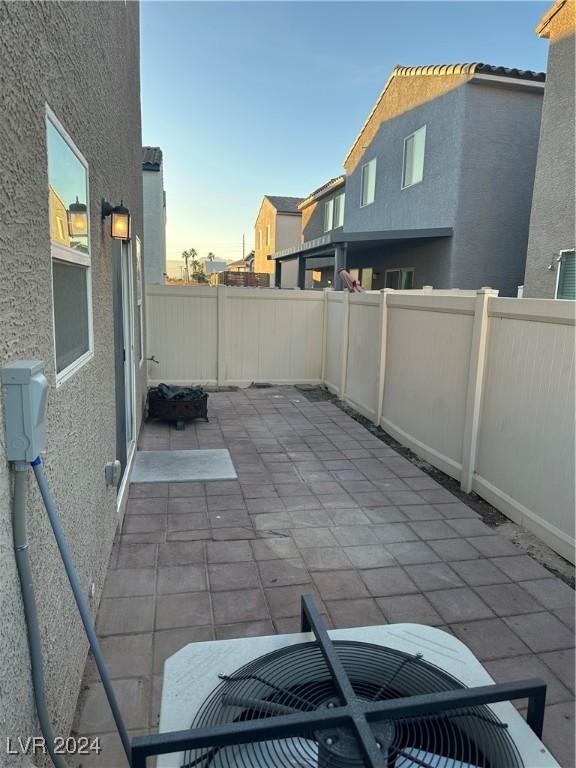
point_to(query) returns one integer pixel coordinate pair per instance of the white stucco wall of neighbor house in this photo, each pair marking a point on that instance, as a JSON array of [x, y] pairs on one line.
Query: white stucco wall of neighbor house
[[154, 226], [82, 59]]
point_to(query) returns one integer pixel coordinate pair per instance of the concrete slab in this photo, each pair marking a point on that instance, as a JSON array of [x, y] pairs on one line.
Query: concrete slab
[[183, 466]]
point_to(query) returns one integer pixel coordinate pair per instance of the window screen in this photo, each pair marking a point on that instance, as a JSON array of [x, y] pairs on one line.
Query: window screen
[[566, 276], [368, 182], [70, 313], [414, 146]]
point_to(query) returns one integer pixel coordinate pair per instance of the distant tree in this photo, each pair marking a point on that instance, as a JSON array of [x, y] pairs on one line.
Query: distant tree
[[199, 276], [211, 256], [190, 255]]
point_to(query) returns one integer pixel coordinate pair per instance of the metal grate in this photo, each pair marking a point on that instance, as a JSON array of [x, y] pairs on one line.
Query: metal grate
[[343, 704]]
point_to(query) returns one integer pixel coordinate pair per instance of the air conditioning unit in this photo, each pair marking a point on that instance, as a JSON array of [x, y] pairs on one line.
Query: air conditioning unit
[[396, 696]]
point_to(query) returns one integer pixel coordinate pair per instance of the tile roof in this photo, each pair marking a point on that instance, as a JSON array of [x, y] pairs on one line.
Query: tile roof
[[284, 204], [151, 158], [337, 181], [474, 68]]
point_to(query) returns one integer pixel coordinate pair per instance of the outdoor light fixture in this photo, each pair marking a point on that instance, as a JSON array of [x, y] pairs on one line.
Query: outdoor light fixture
[[77, 219], [119, 220]]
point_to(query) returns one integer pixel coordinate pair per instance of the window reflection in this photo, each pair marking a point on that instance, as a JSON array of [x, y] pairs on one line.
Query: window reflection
[[67, 191]]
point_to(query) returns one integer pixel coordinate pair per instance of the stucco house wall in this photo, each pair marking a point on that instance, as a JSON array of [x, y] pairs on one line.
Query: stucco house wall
[[154, 226], [94, 91], [479, 164], [313, 214], [499, 144], [266, 216], [288, 228], [433, 202], [552, 222]]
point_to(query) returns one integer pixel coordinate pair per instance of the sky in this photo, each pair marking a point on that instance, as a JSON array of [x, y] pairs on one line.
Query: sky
[[253, 98]]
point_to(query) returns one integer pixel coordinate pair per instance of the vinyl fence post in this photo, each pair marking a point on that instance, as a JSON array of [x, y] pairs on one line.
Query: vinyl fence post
[[382, 352], [221, 296], [324, 333], [344, 344], [475, 384]]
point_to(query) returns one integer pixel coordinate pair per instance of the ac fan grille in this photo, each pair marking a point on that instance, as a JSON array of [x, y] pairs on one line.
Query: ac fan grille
[[298, 679]]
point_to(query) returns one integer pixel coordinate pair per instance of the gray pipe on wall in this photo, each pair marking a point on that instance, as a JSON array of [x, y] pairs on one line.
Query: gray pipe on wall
[[21, 550]]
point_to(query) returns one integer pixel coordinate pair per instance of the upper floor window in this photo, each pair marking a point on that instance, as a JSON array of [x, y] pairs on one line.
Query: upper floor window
[[368, 182], [328, 215], [566, 286], [259, 238], [70, 250], [268, 236], [339, 210], [413, 165]]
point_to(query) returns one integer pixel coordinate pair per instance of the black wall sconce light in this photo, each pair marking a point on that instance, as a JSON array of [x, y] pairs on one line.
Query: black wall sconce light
[[119, 220], [77, 219]]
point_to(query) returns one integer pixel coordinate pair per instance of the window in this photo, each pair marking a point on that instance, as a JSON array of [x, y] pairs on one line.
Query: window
[[368, 182], [268, 234], [399, 279], [339, 210], [566, 285], [413, 164], [259, 238], [328, 215], [70, 250]]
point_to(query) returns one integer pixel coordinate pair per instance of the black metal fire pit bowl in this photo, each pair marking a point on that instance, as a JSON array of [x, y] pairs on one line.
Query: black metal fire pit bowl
[[177, 404]]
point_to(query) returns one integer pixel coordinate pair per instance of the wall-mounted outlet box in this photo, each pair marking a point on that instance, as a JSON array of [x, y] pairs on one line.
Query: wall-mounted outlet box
[[25, 390]]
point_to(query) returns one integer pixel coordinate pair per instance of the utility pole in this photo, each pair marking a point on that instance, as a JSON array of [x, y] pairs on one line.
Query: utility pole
[[243, 246]]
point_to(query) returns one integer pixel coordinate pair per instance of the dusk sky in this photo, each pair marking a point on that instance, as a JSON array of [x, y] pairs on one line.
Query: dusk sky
[[254, 98]]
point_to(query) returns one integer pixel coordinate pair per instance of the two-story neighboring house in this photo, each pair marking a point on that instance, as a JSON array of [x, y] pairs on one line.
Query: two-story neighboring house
[[154, 215], [277, 227], [439, 181], [322, 212], [550, 263]]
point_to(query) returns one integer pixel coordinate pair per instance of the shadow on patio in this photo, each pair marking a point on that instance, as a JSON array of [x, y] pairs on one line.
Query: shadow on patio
[[320, 506]]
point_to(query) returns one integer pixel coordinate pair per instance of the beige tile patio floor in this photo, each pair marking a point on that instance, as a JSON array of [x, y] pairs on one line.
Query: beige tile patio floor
[[320, 506]]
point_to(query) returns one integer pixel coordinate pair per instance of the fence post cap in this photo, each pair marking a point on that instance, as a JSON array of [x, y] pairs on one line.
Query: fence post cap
[[487, 289]]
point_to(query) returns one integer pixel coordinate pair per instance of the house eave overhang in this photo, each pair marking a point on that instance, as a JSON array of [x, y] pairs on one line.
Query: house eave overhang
[[327, 243], [508, 82]]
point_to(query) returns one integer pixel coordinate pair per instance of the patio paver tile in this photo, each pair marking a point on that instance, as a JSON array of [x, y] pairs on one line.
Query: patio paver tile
[[314, 537], [190, 609], [520, 568], [409, 608], [325, 558], [363, 612], [562, 664], [550, 592], [146, 506], [193, 521], [281, 573], [125, 615], [508, 599], [286, 601], [412, 552], [235, 607], [459, 604], [559, 732], [127, 655], [541, 631], [350, 535], [230, 576], [389, 533], [136, 556], [181, 578], [180, 506], [148, 491], [369, 556], [144, 523], [431, 576], [454, 549], [128, 582], [429, 530], [274, 548], [490, 639], [525, 667], [244, 629], [383, 582], [340, 585], [228, 551], [493, 546], [479, 572]]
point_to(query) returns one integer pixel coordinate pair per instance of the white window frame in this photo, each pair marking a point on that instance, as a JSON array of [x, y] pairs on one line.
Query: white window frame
[[406, 138], [329, 215], [268, 234], [340, 209], [59, 252], [364, 167], [259, 238], [558, 268], [400, 269]]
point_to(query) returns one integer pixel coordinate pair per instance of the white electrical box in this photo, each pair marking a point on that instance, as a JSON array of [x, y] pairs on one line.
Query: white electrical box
[[25, 389]]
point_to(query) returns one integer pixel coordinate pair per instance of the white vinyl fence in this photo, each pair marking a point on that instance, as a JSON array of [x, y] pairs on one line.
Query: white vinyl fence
[[482, 387]]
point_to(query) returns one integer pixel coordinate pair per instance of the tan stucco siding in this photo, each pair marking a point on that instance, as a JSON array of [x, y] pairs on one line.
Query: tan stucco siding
[[559, 21], [284, 233], [401, 94], [288, 231], [266, 217]]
